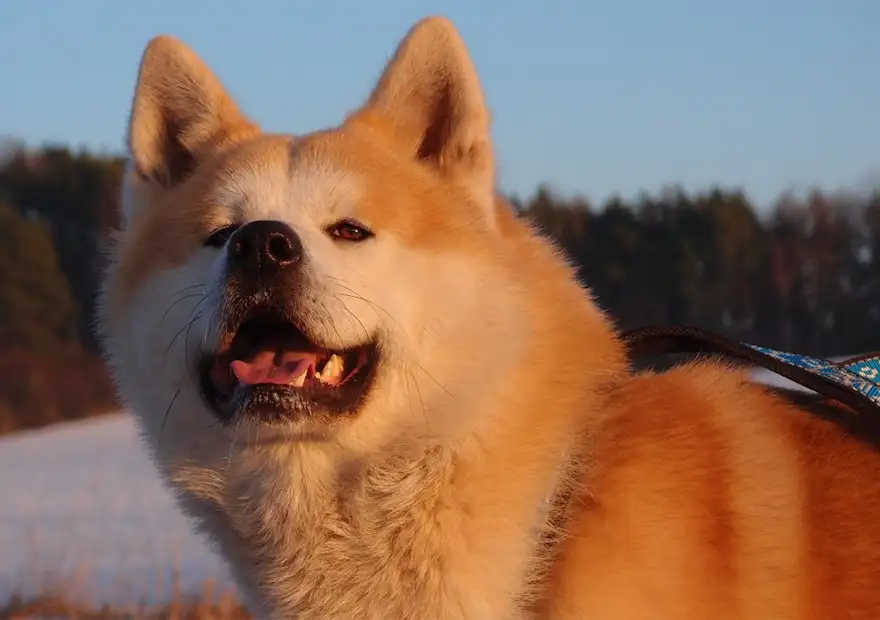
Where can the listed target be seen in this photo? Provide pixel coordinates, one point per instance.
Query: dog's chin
(268, 372)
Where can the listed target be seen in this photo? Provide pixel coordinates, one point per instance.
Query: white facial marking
(405, 298)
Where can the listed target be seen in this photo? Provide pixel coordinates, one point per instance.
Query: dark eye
(219, 237)
(349, 230)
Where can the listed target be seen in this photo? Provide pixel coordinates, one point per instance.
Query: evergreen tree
(37, 310)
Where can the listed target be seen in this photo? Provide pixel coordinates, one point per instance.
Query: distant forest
(801, 274)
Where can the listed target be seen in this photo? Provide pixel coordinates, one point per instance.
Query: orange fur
(714, 499)
(693, 493)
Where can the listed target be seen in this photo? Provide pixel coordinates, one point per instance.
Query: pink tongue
(269, 367)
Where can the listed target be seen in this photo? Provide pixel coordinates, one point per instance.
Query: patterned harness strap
(854, 382)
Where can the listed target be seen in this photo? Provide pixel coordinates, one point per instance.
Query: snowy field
(82, 507)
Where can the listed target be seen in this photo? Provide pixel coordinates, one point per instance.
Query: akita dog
(381, 394)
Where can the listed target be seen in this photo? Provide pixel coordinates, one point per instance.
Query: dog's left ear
(430, 98)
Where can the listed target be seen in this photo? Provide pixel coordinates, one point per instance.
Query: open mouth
(269, 369)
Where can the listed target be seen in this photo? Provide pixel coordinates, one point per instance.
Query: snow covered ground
(81, 505)
(82, 508)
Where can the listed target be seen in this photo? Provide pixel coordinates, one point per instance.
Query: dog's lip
(290, 403)
(231, 375)
(281, 368)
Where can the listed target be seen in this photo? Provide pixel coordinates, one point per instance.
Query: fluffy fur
(506, 462)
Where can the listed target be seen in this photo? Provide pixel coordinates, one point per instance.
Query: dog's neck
(396, 536)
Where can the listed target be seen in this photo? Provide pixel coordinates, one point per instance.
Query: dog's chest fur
(396, 539)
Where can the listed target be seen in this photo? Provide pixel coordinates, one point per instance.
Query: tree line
(801, 274)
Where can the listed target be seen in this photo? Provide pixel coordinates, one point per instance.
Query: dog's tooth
(333, 368)
(299, 381)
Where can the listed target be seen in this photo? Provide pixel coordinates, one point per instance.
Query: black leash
(854, 382)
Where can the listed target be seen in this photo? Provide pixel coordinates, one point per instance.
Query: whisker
(165, 417)
(184, 290)
(171, 307)
(235, 433)
(355, 295)
(203, 340)
(332, 323)
(354, 316)
(411, 375)
(187, 324)
(190, 367)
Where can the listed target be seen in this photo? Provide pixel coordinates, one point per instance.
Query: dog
(383, 394)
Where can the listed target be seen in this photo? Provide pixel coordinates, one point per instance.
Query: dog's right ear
(180, 113)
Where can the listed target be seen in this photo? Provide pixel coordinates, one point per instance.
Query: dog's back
(713, 499)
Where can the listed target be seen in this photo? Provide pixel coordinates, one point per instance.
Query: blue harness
(859, 374)
(854, 382)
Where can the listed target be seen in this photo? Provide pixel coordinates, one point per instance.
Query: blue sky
(592, 97)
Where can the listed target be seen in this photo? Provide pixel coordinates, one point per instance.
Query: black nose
(265, 244)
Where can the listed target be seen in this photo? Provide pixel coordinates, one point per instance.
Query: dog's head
(337, 286)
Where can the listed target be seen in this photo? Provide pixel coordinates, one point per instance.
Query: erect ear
(181, 112)
(430, 98)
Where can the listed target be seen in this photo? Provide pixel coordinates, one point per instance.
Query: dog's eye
(219, 237)
(349, 230)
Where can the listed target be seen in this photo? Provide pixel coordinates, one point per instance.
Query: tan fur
(694, 493)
